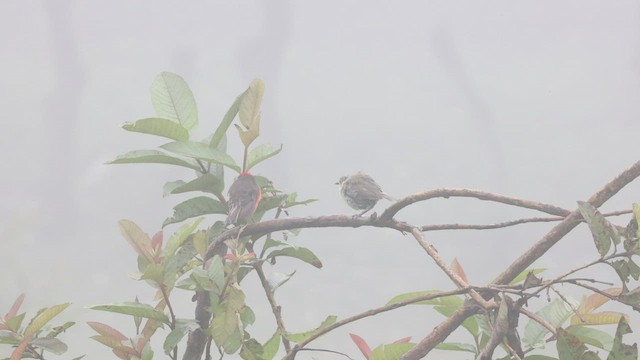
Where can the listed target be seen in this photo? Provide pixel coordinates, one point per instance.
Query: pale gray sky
(534, 99)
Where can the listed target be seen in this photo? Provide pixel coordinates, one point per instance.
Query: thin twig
(372, 312)
(275, 308)
(460, 282)
(504, 224)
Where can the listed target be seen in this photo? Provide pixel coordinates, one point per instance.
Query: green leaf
(457, 347)
(206, 183)
(299, 337)
(271, 347)
(539, 357)
(172, 99)
(198, 206)
(160, 127)
(390, 351)
(14, 323)
(50, 344)
(211, 279)
(226, 330)
(602, 231)
(523, 275)
(178, 238)
(292, 200)
(138, 239)
(251, 103)
(201, 151)
(299, 253)
(60, 329)
(183, 326)
(251, 350)
(261, 153)
(226, 122)
(556, 313)
(151, 157)
(621, 351)
(570, 347)
(591, 336)
(134, 309)
(43, 318)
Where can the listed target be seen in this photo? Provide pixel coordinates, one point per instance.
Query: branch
(265, 227)
(369, 313)
(537, 250)
(480, 195)
(461, 283)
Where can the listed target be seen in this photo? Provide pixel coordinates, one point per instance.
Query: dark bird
(244, 197)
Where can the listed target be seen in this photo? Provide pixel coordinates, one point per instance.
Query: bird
(361, 192)
(244, 197)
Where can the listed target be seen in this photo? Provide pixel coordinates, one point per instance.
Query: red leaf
(156, 240)
(403, 340)
(362, 345)
(15, 307)
(457, 268)
(107, 331)
(17, 353)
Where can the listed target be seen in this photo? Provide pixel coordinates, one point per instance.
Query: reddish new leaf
(15, 307)
(362, 345)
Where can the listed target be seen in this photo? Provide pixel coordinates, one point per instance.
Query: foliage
(204, 260)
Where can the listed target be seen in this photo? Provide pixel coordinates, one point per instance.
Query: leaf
(183, 326)
(251, 350)
(159, 127)
(107, 331)
(631, 298)
(201, 151)
(15, 307)
(601, 318)
(594, 301)
(226, 122)
(43, 318)
(362, 345)
(523, 275)
(178, 238)
(251, 103)
(14, 323)
(261, 153)
(621, 351)
(197, 206)
(206, 183)
(299, 337)
(134, 309)
(457, 268)
(390, 351)
(151, 157)
(270, 348)
(299, 253)
(172, 99)
(555, 313)
(457, 347)
(137, 238)
(602, 231)
(593, 337)
(278, 279)
(570, 347)
(50, 344)
(60, 329)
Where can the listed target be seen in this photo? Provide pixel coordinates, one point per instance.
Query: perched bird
(244, 197)
(361, 192)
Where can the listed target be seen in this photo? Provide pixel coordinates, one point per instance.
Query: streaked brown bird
(244, 197)
(361, 192)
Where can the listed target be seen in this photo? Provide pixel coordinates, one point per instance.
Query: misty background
(537, 100)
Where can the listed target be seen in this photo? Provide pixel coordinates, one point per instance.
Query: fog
(535, 99)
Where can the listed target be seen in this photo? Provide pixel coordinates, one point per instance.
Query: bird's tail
(388, 197)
